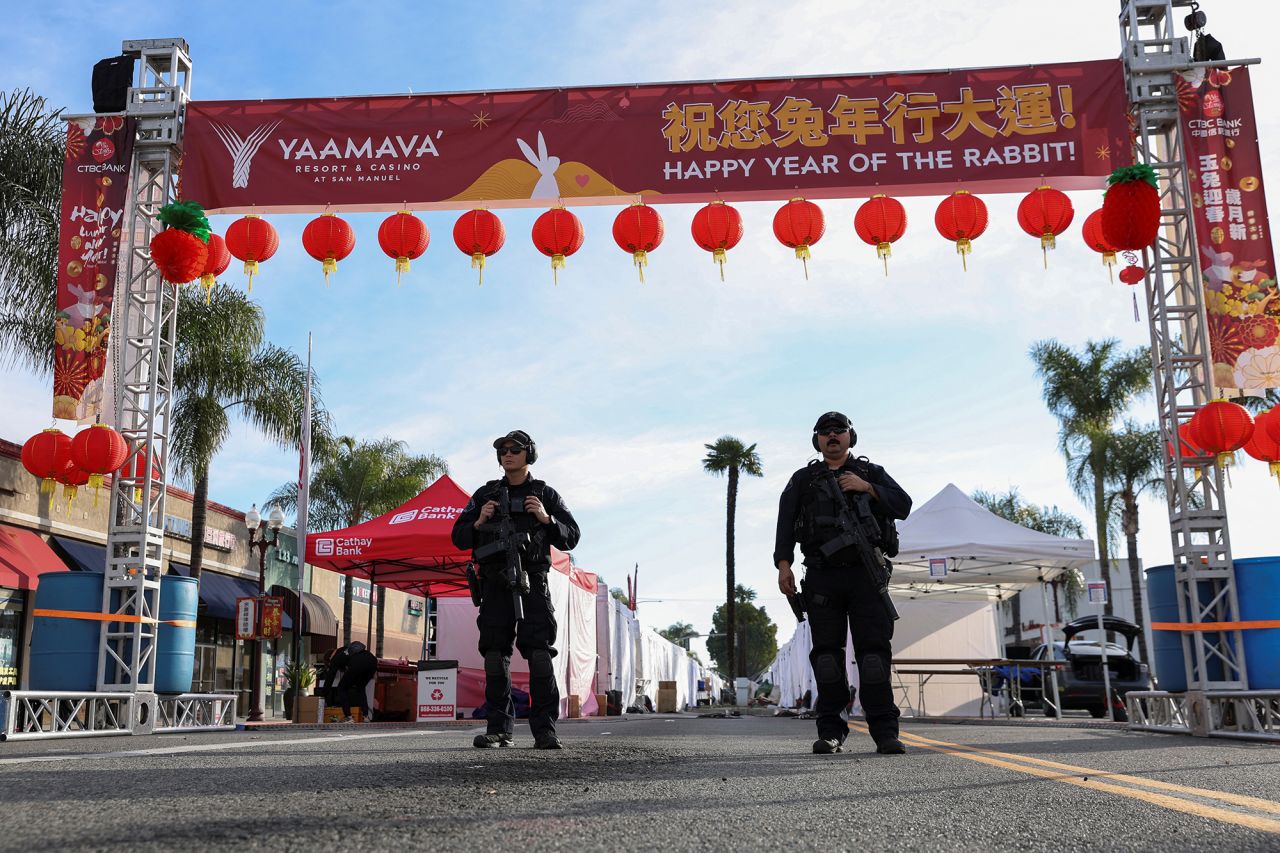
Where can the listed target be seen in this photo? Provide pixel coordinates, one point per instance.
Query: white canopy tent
(985, 557)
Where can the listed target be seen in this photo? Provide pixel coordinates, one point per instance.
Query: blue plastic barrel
(1166, 646)
(1258, 589)
(64, 649)
(176, 643)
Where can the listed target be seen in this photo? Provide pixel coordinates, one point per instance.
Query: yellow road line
(1262, 824)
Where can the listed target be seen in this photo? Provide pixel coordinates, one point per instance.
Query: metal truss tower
(1183, 370)
(144, 337)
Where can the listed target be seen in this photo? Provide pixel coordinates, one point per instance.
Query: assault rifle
(852, 533)
(509, 542)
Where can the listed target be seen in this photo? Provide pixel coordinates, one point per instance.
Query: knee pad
(874, 669)
(495, 663)
(540, 664)
(826, 669)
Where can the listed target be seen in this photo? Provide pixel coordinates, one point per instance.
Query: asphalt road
(643, 783)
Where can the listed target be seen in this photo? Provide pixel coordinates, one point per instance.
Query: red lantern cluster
(1045, 213)
(403, 237)
(881, 221)
(45, 455)
(253, 240)
(799, 224)
(56, 458)
(557, 234)
(1221, 428)
(328, 238)
(717, 228)
(638, 229)
(480, 234)
(961, 218)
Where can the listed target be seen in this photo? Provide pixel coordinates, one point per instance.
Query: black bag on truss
(112, 78)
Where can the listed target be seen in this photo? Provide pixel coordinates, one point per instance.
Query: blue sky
(621, 383)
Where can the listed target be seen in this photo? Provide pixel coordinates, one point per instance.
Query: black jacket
(892, 502)
(561, 533)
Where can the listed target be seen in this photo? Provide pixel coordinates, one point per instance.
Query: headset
(521, 438)
(833, 416)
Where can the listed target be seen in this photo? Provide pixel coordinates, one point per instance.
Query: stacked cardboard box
(667, 697)
(310, 709)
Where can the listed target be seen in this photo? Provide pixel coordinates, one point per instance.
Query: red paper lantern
(218, 261)
(479, 233)
(1261, 445)
(329, 239)
(45, 455)
(1094, 239)
(1273, 423)
(799, 224)
(638, 229)
(1187, 442)
(1045, 213)
(71, 479)
(557, 234)
(1131, 209)
(138, 469)
(1132, 274)
(97, 451)
(403, 237)
(717, 228)
(881, 221)
(1222, 427)
(179, 256)
(253, 240)
(961, 218)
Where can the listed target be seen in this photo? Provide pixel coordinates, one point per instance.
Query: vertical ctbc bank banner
(95, 184)
(919, 133)
(1220, 136)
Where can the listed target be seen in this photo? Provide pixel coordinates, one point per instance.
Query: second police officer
(839, 592)
(534, 515)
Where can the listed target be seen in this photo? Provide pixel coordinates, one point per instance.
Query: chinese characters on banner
(272, 617)
(922, 133)
(246, 618)
(1221, 140)
(95, 183)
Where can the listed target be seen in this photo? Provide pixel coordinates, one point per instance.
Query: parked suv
(1080, 683)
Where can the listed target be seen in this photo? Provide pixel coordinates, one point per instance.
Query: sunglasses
(510, 450)
(832, 431)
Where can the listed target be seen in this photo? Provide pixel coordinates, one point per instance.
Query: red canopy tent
(409, 548)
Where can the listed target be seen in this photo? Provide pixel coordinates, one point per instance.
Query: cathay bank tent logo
(242, 151)
(324, 547)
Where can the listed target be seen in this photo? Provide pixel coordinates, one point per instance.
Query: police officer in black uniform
(535, 509)
(839, 593)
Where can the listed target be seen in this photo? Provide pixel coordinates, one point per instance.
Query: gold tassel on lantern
(803, 255)
(963, 248)
(48, 486)
(402, 267)
(1109, 259)
(329, 265)
(884, 251)
(477, 263)
(207, 281)
(557, 263)
(250, 269)
(719, 256)
(69, 493)
(1047, 242)
(640, 258)
(95, 483)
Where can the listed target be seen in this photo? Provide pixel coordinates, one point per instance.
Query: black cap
(519, 436)
(832, 418)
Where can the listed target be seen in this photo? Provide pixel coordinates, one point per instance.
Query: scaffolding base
(36, 715)
(1238, 714)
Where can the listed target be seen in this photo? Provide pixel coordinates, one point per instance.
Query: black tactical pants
(534, 637)
(836, 599)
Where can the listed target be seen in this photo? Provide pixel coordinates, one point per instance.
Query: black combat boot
(492, 741)
(548, 742)
(827, 746)
(890, 745)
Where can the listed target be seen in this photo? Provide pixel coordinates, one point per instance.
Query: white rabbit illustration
(1218, 272)
(85, 308)
(546, 186)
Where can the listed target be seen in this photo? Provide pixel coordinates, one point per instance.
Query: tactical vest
(537, 554)
(818, 519)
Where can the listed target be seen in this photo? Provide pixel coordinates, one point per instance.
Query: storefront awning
(82, 556)
(218, 594)
(318, 619)
(24, 556)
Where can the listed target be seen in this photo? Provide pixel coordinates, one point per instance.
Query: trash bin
(742, 690)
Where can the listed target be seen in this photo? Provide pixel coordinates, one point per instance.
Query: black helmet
(520, 437)
(834, 419)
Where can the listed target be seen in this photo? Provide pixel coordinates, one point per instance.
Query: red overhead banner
(919, 133)
(95, 186)
(1220, 135)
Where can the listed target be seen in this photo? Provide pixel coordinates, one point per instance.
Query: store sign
(180, 528)
(1097, 592)
(272, 617)
(246, 618)
(437, 694)
(413, 607)
(363, 592)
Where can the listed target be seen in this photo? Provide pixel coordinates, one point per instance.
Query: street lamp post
(262, 544)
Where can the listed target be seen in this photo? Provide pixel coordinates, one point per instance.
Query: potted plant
(300, 677)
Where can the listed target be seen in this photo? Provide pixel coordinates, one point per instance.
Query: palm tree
(1088, 392)
(32, 139)
(728, 454)
(1136, 463)
(222, 367)
(361, 480)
